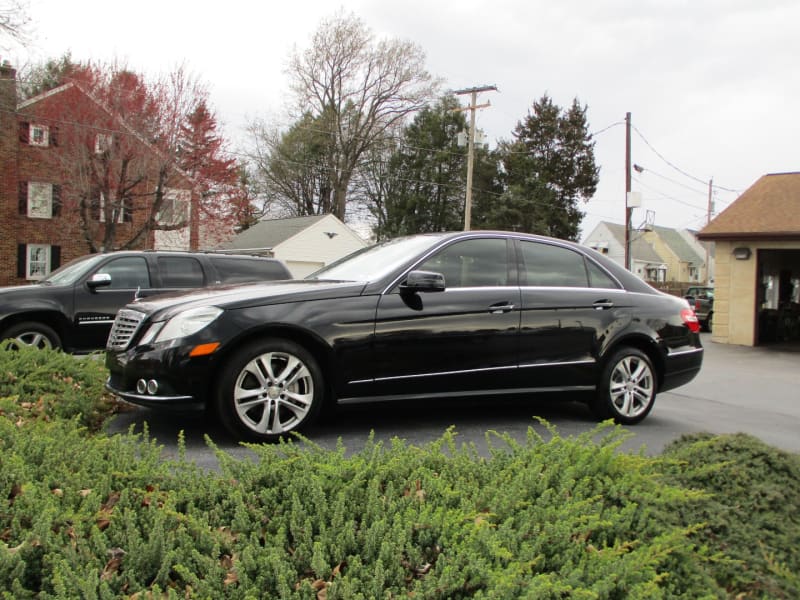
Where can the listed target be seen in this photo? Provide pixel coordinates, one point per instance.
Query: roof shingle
(770, 208)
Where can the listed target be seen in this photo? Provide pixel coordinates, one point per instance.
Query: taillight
(690, 320)
(697, 304)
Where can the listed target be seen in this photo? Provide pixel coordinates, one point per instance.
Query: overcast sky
(712, 85)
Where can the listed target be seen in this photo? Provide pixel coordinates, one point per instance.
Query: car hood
(239, 296)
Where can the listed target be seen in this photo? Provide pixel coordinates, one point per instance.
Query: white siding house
(304, 243)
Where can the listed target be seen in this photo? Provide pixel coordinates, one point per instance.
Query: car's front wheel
(29, 333)
(269, 389)
(627, 388)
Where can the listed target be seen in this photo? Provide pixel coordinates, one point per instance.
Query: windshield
(73, 270)
(375, 262)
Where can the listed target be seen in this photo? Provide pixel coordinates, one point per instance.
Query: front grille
(125, 326)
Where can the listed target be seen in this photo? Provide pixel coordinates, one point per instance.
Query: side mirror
(423, 281)
(99, 280)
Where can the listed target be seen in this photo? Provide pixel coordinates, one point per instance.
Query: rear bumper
(681, 366)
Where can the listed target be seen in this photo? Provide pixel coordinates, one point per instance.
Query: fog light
(141, 386)
(152, 387)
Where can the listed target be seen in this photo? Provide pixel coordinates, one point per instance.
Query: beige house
(757, 279)
(304, 243)
(684, 263)
(658, 255)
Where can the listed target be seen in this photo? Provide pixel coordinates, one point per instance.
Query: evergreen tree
(546, 169)
(424, 179)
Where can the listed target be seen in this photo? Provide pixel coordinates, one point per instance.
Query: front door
(96, 309)
(458, 340)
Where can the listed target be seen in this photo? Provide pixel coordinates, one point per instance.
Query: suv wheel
(269, 389)
(37, 335)
(627, 387)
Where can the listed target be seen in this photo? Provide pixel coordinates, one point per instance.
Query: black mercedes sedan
(429, 316)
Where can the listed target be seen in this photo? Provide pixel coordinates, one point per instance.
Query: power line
(678, 169)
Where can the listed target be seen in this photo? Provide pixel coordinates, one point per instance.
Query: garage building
(757, 279)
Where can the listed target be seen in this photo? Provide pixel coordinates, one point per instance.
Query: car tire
(269, 389)
(626, 391)
(30, 333)
(709, 322)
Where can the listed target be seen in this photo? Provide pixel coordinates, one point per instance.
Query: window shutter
(94, 204)
(53, 136)
(22, 253)
(56, 200)
(24, 131)
(55, 257)
(23, 197)
(127, 210)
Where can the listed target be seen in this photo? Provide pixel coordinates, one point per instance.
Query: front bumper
(182, 383)
(177, 403)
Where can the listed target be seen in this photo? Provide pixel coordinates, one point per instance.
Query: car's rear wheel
(627, 388)
(29, 333)
(269, 389)
(708, 323)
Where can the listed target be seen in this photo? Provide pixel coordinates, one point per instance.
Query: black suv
(75, 306)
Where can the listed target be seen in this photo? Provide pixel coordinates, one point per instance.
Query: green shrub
(752, 512)
(99, 517)
(47, 384)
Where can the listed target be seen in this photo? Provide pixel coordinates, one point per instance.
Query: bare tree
(14, 21)
(356, 88)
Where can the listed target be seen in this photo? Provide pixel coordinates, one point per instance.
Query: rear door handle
(501, 307)
(603, 304)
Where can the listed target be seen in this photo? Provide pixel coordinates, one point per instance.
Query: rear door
(570, 306)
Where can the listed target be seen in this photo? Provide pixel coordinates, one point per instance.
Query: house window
(40, 200)
(36, 261)
(102, 143)
(174, 208)
(39, 135)
(120, 209)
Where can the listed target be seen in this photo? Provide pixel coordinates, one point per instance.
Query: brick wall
(21, 161)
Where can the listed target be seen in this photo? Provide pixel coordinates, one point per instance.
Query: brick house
(44, 220)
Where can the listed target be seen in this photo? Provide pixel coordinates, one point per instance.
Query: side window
(233, 270)
(129, 272)
(599, 278)
(545, 265)
(180, 272)
(471, 263)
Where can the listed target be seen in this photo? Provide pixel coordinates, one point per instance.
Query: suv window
(180, 272)
(242, 270)
(128, 272)
(545, 265)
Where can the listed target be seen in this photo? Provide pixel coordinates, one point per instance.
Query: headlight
(185, 324)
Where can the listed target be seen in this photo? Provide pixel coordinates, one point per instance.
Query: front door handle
(500, 308)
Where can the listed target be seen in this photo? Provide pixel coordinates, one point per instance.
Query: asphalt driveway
(739, 389)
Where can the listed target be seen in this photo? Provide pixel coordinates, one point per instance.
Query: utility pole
(473, 91)
(628, 210)
(708, 220)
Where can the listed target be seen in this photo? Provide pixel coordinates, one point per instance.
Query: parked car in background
(74, 307)
(701, 299)
(427, 316)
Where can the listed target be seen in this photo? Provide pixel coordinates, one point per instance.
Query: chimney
(8, 87)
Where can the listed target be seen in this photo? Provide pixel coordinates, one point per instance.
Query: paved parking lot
(752, 390)
(755, 390)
